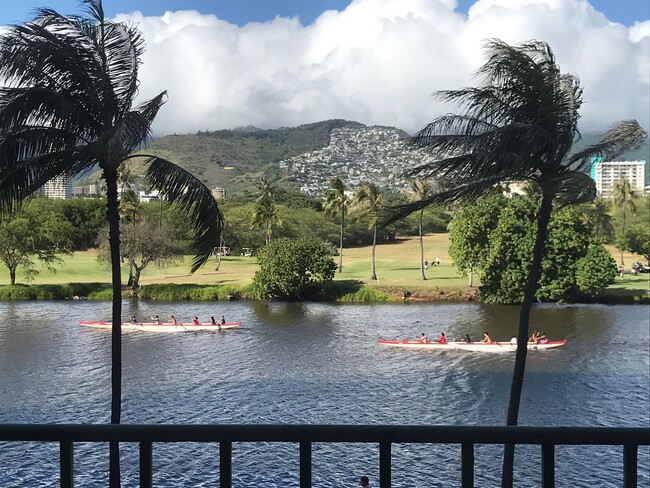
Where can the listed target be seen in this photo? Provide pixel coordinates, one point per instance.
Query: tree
(288, 267)
(33, 233)
(143, 245)
(469, 233)
(264, 211)
(595, 271)
(600, 220)
(336, 202)
(367, 202)
(67, 106)
(623, 196)
(421, 190)
(637, 240)
(519, 124)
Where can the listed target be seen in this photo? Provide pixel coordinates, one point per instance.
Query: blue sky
(242, 11)
(273, 63)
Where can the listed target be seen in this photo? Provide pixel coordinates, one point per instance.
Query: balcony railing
(305, 435)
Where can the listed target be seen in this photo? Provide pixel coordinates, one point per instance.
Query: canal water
(315, 363)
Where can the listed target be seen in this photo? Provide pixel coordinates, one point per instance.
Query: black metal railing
(305, 435)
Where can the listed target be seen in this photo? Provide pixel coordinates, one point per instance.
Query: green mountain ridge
(235, 159)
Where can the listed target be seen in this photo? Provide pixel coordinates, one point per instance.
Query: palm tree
(264, 210)
(367, 201)
(421, 190)
(336, 202)
(67, 106)
(597, 213)
(623, 196)
(519, 124)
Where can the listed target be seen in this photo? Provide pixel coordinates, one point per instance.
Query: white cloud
(377, 62)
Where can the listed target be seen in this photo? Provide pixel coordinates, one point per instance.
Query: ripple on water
(320, 363)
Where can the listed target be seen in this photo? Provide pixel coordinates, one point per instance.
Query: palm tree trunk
(341, 240)
(543, 219)
(623, 234)
(112, 212)
(422, 276)
(373, 274)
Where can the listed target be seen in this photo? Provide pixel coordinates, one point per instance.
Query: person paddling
(486, 337)
(442, 339)
(423, 339)
(172, 319)
(195, 320)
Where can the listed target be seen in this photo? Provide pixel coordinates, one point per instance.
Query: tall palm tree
(367, 201)
(336, 202)
(67, 106)
(623, 196)
(421, 190)
(519, 124)
(597, 213)
(264, 210)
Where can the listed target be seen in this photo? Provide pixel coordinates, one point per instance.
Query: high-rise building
(59, 187)
(606, 173)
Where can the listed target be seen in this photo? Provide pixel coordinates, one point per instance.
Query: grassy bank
(397, 266)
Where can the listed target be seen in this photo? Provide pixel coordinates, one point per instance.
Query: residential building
(59, 187)
(606, 173)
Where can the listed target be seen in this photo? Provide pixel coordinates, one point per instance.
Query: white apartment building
(606, 173)
(59, 187)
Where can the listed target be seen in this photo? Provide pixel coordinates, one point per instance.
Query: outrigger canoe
(416, 344)
(505, 346)
(470, 346)
(163, 327)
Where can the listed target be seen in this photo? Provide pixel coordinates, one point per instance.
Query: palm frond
(624, 136)
(195, 201)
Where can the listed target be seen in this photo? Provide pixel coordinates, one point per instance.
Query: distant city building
(59, 187)
(606, 173)
(148, 196)
(219, 193)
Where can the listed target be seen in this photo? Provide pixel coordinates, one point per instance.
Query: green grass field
(397, 267)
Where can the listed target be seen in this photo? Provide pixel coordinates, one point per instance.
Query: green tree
(336, 202)
(87, 217)
(421, 189)
(367, 202)
(623, 196)
(66, 106)
(265, 212)
(289, 267)
(33, 234)
(595, 271)
(519, 124)
(599, 219)
(637, 240)
(469, 233)
(143, 245)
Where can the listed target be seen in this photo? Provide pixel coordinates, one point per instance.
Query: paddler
(442, 339)
(423, 338)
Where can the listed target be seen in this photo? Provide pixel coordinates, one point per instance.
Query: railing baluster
(385, 464)
(467, 465)
(146, 464)
(548, 466)
(66, 463)
(225, 464)
(630, 465)
(305, 464)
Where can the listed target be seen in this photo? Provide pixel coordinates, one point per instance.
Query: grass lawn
(397, 266)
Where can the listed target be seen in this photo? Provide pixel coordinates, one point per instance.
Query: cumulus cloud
(377, 62)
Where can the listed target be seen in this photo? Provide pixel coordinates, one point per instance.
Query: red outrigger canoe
(163, 327)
